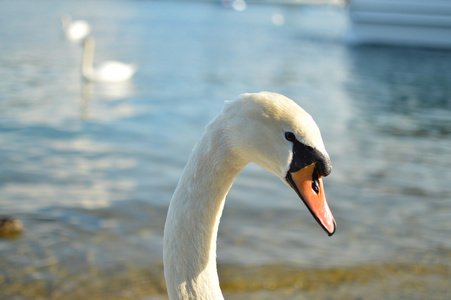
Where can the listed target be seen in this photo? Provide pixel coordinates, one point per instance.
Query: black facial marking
(304, 155)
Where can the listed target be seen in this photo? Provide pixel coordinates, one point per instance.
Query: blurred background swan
(108, 71)
(75, 30)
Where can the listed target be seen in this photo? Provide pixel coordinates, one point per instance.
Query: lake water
(89, 169)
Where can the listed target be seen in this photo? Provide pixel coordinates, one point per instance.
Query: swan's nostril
(315, 186)
(315, 181)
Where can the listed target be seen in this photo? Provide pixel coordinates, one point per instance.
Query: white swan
(75, 30)
(108, 71)
(266, 128)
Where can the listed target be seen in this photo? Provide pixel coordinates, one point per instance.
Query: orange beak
(309, 185)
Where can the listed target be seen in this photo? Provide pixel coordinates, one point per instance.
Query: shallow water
(90, 168)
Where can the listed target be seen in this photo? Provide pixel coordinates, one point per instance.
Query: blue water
(89, 168)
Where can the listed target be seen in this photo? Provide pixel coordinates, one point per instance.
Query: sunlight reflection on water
(90, 168)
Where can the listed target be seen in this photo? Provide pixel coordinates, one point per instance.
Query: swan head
(274, 132)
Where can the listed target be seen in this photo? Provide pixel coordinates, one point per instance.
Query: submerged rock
(10, 227)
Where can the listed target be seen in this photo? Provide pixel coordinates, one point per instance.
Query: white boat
(425, 23)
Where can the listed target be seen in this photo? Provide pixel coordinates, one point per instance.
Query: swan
(266, 128)
(108, 71)
(75, 30)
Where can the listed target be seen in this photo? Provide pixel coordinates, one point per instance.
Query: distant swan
(266, 128)
(109, 71)
(75, 30)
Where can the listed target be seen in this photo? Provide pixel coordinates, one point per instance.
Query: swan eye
(290, 136)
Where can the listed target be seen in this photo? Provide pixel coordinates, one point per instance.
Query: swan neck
(88, 58)
(193, 218)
